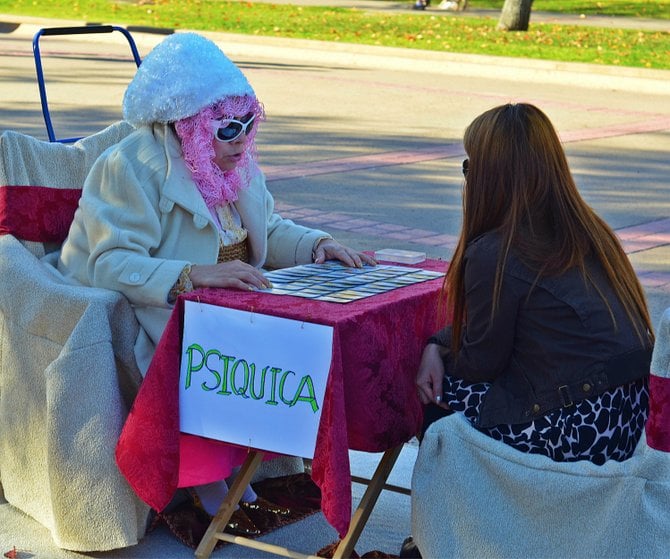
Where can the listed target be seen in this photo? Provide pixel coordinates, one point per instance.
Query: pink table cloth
(371, 402)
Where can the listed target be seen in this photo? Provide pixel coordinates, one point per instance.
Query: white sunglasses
(228, 130)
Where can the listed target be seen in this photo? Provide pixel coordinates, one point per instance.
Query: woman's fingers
(234, 274)
(329, 249)
(430, 375)
(367, 259)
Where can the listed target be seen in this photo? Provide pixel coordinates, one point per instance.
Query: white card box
(400, 256)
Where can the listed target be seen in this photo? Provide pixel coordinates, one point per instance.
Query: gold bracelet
(182, 285)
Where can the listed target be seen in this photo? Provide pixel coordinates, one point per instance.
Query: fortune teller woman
(181, 203)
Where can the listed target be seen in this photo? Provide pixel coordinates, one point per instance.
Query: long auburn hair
(519, 183)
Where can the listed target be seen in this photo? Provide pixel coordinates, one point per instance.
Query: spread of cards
(337, 283)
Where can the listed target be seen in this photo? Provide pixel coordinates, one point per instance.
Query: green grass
(476, 35)
(656, 9)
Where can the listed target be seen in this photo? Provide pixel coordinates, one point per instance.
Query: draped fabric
(37, 213)
(658, 424)
(477, 497)
(371, 403)
(67, 365)
(40, 182)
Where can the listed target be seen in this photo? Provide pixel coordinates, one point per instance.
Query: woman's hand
(234, 274)
(330, 249)
(430, 376)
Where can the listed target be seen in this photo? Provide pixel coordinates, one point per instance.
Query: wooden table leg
(362, 513)
(235, 492)
(344, 549)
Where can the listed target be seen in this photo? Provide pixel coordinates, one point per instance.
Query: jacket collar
(179, 185)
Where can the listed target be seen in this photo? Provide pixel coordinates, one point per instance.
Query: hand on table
(234, 274)
(430, 376)
(330, 249)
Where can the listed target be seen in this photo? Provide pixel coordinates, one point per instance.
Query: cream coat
(141, 220)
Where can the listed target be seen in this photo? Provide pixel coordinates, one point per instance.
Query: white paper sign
(252, 379)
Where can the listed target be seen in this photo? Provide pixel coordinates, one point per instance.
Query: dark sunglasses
(466, 165)
(233, 128)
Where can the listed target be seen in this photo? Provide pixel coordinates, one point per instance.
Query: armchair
(67, 368)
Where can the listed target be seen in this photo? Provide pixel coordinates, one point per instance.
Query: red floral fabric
(37, 213)
(658, 425)
(371, 403)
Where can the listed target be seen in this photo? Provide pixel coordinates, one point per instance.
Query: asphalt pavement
(365, 142)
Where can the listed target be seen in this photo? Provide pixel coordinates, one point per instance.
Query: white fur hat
(183, 74)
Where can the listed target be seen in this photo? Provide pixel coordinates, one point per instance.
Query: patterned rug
(188, 523)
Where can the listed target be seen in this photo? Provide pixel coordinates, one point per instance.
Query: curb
(638, 80)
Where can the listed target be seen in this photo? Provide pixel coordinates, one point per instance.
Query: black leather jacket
(551, 342)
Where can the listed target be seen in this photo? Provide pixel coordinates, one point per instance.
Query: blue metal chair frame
(70, 31)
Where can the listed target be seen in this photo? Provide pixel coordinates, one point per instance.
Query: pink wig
(196, 134)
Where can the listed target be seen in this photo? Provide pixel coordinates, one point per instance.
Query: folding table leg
(243, 478)
(362, 513)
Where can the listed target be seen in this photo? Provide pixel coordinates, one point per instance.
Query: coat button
(200, 222)
(134, 277)
(586, 387)
(536, 408)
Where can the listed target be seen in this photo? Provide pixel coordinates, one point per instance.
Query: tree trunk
(515, 15)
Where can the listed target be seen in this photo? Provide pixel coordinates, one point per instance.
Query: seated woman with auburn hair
(550, 343)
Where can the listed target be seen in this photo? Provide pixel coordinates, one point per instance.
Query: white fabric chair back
(476, 497)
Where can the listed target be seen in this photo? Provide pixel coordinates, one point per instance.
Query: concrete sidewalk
(388, 525)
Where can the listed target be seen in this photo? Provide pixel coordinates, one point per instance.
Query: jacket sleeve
(488, 341)
(120, 221)
(442, 337)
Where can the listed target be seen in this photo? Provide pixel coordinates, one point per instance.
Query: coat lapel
(251, 207)
(179, 186)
